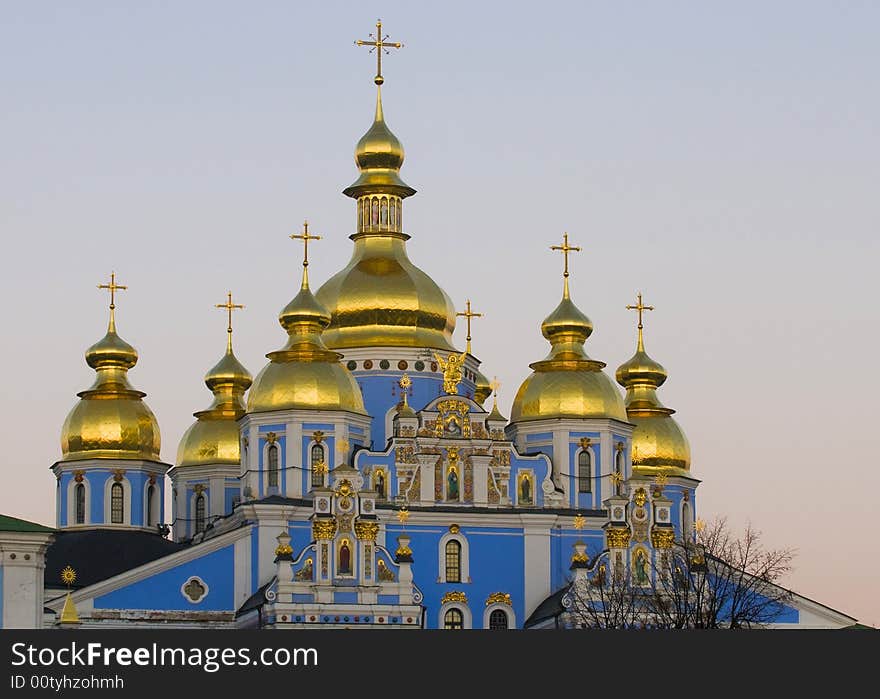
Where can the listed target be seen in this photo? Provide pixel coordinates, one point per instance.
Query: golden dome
(658, 443)
(379, 156)
(111, 421)
(305, 375)
(381, 299)
(567, 383)
(214, 437)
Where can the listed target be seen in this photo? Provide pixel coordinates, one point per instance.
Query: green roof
(13, 524)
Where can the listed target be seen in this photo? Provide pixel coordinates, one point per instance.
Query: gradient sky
(721, 157)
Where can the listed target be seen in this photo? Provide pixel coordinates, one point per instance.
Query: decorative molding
(454, 596)
(499, 598)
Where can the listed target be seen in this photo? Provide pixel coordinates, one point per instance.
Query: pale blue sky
(722, 157)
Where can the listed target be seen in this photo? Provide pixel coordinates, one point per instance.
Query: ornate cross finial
(379, 45)
(404, 383)
(229, 307)
(468, 313)
(495, 384)
(640, 307)
(565, 249)
(112, 287)
(305, 236)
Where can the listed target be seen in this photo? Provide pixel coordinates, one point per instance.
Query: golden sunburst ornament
(403, 516)
(700, 525)
(616, 478)
(342, 445)
(580, 521)
(68, 576)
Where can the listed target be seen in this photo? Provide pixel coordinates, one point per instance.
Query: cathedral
(365, 476)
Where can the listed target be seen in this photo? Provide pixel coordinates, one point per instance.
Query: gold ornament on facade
(580, 522)
(699, 525)
(324, 528)
(454, 596)
(640, 497)
(585, 442)
(618, 538)
(68, 576)
(616, 478)
(78, 476)
(118, 475)
(499, 598)
(366, 531)
(580, 557)
(454, 529)
(271, 437)
(318, 436)
(403, 551)
(283, 550)
(452, 371)
(662, 538)
(403, 515)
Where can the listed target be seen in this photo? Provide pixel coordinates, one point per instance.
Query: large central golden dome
(381, 299)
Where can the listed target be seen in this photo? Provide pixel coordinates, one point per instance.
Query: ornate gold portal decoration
(78, 476)
(499, 598)
(271, 437)
(384, 574)
(454, 596)
(306, 572)
(118, 474)
(662, 538)
(366, 531)
(452, 371)
(640, 497)
(318, 436)
(585, 442)
(580, 521)
(323, 528)
(617, 538)
(454, 529)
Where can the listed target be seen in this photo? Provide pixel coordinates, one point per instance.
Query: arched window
(317, 462)
(117, 497)
(151, 491)
(498, 619)
(585, 470)
(272, 453)
(453, 619)
(79, 496)
(453, 561)
(200, 513)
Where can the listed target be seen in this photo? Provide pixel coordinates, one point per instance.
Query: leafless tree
(723, 579)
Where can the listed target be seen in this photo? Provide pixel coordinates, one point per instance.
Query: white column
(217, 487)
(561, 465)
(481, 476)
(293, 460)
(536, 532)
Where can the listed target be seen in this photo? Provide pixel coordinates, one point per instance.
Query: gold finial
(580, 521)
(68, 576)
(404, 383)
(640, 307)
(112, 287)
(229, 307)
(565, 249)
(403, 515)
(661, 480)
(305, 236)
(379, 45)
(468, 313)
(494, 385)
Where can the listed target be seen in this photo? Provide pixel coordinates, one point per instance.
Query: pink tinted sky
(723, 158)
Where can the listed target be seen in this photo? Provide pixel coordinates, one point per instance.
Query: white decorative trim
(506, 608)
(577, 472)
(464, 562)
(467, 619)
(194, 578)
(157, 505)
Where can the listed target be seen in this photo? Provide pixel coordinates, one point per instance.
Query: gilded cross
(640, 307)
(495, 384)
(565, 249)
(229, 306)
(305, 236)
(379, 45)
(112, 287)
(468, 313)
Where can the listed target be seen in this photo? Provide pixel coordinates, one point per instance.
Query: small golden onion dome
(658, 443)
(567, 383)
(305, 375)
(496, 415)
(482, 387)
(214, 438)
(379, 156)
(111, 421)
